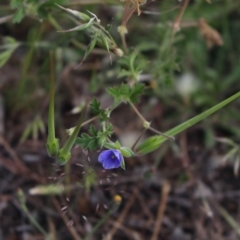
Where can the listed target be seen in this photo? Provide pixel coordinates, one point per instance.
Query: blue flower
(110, 159)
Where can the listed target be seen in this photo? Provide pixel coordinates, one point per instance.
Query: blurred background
(187, 189)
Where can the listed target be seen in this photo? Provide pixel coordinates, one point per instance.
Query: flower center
(113, 157)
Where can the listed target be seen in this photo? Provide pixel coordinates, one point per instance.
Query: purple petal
(110, 159)
(106, 154)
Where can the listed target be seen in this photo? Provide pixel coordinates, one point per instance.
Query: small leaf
(79, 28)
(5, 56)
(89, 50)
(77, 14)
(118, 145)
(110, 145)
(19, 15)
(126, 152)
(123, 164)
(95, 108)
(15, 3)
(155, 142)
(106, 45)
(120, 93)
(136, 91)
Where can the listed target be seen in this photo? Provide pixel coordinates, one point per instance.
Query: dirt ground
(182, 191)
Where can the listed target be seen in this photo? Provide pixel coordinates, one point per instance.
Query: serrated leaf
(109, 129)
(120, 93)
(86, 141)
(95, 106)
(137, 90)
(93, 130)
(93, 145)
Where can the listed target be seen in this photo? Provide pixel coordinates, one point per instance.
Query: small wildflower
(110, 159)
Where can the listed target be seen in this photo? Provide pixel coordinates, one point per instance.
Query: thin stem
(161, 209)
(64, 153)
(179, 17)
(161, 133)
(125, 12)
(138, 139)
(51, 124)
(137, 112)
(145, 121)
(22, 202)
(89, 120)
(124, 43)
(131, 11)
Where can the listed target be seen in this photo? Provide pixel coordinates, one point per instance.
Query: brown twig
(176, 25)
(16, 166)
(161, 209)
(71, 229)
(123, 214)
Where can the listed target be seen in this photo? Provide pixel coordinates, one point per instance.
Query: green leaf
(96, 140)
(155, 142)
(77, 14)
(5, 56)
(19, 15)
(86, 141)
(90, 178)
(80, 27)
(136, 91)
(108, 130)
(125, 93)
(89, 49)
(95, 108)
(123, 164)
(15, 3)
(11, 46)
(64, 153)
(110, 145)
(105, 43)
(93, 130)
(126, 152)
(120, 93)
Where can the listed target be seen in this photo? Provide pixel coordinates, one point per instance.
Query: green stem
(155, 142)
(51, 123)
(138, 113)
(161, 133)
(23, 205)
(146, 124)
(52, 141)
(65, 152)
